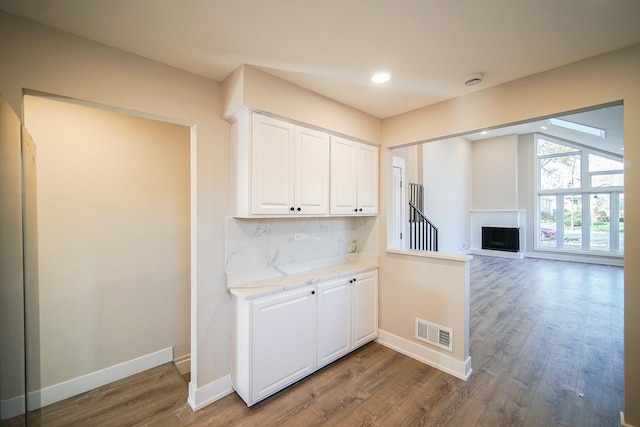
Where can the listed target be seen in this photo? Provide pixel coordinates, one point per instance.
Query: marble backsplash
(268, 245)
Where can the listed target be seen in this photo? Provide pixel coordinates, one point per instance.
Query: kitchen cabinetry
(283, 337)
(288, 171)
(354, 177)
(347, 315)
(274, 342)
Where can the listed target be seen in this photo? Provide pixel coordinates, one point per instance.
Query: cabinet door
(367, 179)
(272, 159)
(343, 176)
(311, 172)
(334, 320)
(364, 291)
(284, 340)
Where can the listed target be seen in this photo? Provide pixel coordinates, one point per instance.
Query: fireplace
(501, 238)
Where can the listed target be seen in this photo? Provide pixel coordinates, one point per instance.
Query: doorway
(113, 246)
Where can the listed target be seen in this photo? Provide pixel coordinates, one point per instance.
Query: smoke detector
(473, 79)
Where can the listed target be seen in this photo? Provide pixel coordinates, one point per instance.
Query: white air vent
(434, 334)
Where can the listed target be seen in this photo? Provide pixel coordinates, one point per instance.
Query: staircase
(423, 234)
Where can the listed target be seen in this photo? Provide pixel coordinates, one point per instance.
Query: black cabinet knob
(354, 279)
(291, 208)
(360, 209)
(355, 210)
(299, 209)
(313, 292)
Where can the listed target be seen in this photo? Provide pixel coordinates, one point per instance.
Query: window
(580, 198)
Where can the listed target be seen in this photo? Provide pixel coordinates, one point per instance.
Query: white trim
(587, 259)
(75, 386)
(622, 421)
(497, 254)
(13, 407)
(183, 364)
(215, 390)
(448, 364)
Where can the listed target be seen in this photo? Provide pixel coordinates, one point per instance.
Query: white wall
(495, 173)
(113, 237)
(447, 166)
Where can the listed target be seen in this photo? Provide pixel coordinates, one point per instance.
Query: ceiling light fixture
(381, 78)
(473, 79)
(578, 127)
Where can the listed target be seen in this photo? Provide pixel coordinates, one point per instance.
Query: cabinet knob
(355, 210)
(360, 209)
(291, 208)
(299, 209)
(351, 281)
(313, 292)
(354, 279)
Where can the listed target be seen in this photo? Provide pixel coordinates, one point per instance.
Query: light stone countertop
(273, 285)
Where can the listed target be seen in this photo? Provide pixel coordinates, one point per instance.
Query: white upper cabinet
(273, 166)
(280, 168)
(312, 171)
(283, 169)
(354, 178)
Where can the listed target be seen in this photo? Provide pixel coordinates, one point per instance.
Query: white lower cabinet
(281, 338)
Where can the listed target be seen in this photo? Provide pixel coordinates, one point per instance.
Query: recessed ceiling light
(381, 78)
(543, 127)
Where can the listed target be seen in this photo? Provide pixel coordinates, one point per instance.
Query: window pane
(560, 172)
(548, 147)
(621, 220)
(600, 164)
(547, 206)
(607, 180)
(599, 232)
(572, 222)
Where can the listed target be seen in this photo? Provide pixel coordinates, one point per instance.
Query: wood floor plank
(546, 346)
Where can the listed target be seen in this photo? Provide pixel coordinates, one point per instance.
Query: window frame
(585, 190)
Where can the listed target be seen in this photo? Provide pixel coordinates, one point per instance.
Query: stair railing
(423, 234)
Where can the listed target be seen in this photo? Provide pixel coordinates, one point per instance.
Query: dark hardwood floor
(546, 348)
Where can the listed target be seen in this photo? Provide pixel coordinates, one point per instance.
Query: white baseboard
(617, 261)
(622, 421)
(13, 407)
(497, 254)
(75, 386)
(440, 361)
(216, 390)
(183, 364)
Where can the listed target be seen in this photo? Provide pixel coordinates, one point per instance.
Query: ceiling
(332, 47)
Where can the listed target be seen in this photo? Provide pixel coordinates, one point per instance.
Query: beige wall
(603, 79)
(113, 237)
(495, 173)
(249, 87)
(39, 58)
(12, 383)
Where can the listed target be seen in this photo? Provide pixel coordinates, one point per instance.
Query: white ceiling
(333, 46)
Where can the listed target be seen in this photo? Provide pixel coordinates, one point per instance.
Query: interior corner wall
(265, 92)
(113, 237)
(39, 58)
(495, 173)
(447, 190)
(527, 185)
(12, 381)
(600, 80)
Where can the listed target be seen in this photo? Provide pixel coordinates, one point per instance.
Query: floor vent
(434, 334)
